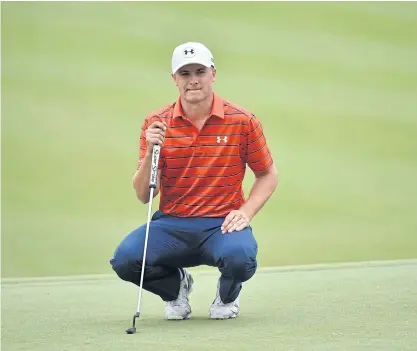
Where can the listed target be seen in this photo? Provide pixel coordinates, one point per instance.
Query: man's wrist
(148, 154)
(247, 211)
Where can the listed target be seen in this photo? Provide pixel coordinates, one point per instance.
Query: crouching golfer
(203, 216)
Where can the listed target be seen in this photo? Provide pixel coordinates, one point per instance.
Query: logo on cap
(189, 52)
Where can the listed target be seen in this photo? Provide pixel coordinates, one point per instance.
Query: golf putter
(152, 185)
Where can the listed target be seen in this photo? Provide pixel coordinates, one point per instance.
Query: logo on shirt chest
(222, 140)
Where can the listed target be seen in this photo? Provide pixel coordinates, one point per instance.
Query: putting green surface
(366, 306)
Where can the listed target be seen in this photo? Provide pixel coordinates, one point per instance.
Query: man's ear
(214, 74)
(173, 78)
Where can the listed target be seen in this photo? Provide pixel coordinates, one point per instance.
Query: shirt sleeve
(259, 157)
(143, 146)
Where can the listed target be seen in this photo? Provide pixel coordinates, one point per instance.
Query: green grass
(334, 84)
(368, 307)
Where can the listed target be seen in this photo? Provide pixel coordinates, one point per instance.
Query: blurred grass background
(334, 84)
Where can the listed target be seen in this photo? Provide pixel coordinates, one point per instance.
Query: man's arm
(262, 189)
(152, 135)
(141, 180)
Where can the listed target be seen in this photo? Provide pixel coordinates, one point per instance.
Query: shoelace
(174, 303)
(218, 301)
(181, 300)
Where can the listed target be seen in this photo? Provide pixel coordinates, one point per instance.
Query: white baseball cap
(191, 52)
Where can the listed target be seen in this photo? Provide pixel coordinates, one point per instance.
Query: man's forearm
(261, 191)
(141, 179)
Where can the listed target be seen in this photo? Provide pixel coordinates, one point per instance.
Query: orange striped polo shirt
(202, 171)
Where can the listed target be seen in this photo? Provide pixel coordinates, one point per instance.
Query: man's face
(195, 82)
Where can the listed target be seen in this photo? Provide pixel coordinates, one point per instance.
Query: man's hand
(235, 221)
(155, 134)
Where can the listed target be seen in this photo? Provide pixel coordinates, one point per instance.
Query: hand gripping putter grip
(152, 185)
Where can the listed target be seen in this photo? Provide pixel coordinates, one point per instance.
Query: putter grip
(154, 167)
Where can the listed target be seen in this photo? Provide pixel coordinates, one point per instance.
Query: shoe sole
(233, 316)
(223, 318)
(179, 318)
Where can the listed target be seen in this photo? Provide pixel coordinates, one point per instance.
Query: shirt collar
(217, 109)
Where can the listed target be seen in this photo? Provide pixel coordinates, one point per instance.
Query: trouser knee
(240, 266)
(128, 270)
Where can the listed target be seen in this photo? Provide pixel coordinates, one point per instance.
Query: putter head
(131, 330)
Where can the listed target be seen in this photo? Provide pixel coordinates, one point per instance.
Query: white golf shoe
(180, 308)
(220, 310)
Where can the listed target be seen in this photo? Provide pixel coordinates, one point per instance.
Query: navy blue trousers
(176, 242)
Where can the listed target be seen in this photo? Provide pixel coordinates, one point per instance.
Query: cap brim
(190, 62)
